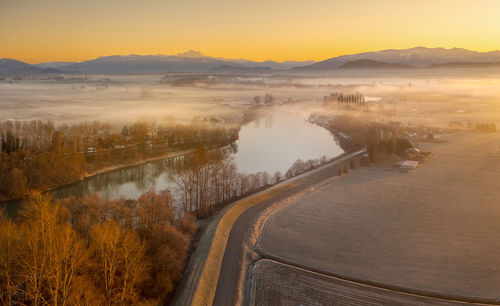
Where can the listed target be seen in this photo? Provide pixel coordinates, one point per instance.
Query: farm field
(432, 230)
(281, 284)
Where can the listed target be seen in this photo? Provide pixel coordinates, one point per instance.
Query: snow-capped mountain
(418, 57)
(190, 61)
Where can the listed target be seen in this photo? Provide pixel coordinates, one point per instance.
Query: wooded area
(36, 155)
(92, 251)
(348, 98)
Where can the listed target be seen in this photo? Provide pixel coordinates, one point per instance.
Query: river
(271, 143)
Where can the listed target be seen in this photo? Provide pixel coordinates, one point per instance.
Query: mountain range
(371, 64)
(190, 61)
(8, 65)
(418, 57)
(194, 61)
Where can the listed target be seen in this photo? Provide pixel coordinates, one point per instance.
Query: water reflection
(128, 182)
(277, 139)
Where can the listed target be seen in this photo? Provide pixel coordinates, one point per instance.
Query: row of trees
(37, 155)
(92, 251)
(348, 98)
(486, 127)
(209, 179)
(93, 137)
(380, 139)
(481, 126)
(300, 166)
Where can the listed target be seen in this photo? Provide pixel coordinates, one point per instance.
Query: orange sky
(76, 30)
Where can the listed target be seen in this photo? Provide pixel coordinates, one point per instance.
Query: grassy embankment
(207, 284)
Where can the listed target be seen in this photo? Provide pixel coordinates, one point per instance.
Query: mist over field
(204, 140)
(115, 100)
(122, 99)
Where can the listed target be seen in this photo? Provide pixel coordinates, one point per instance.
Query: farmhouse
(408, 164)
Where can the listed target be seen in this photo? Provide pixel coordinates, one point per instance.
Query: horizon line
(180, 54)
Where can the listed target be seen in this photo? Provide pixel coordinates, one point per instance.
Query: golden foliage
(92, 251)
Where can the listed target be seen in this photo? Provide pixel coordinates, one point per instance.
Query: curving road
(228, 279)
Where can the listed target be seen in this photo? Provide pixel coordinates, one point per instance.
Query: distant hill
(467, 65)
(11, 66)
(194, 61)
(190, 61)
(418, 57)
(7, 65)
(54, 65)
(237, 68)
(371, 64)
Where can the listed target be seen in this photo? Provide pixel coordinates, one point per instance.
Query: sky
(75, 30)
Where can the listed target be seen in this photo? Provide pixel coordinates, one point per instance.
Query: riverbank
(140, 162)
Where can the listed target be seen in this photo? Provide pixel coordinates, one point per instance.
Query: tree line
(92, 251)
(380, 139)
(37, 155)
(208, 179)
(480, 126)
(348, 98)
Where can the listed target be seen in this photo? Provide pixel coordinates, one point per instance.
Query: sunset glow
(37, 31)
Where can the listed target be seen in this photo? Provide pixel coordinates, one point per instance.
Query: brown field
(280, 284)
(435, 229)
